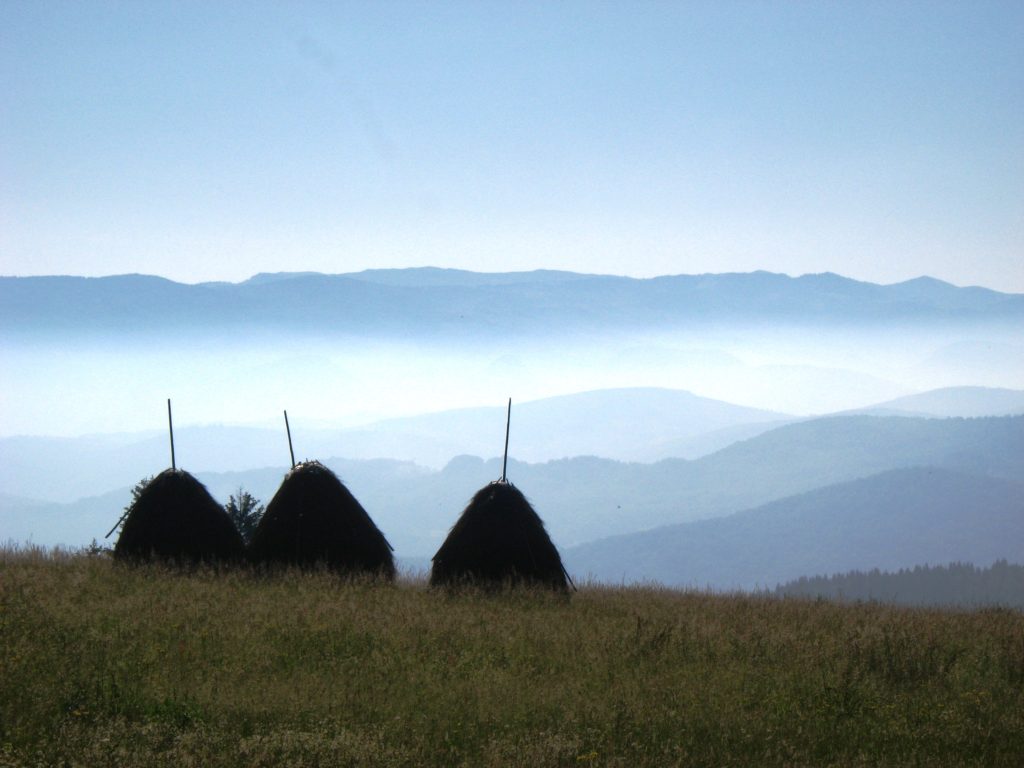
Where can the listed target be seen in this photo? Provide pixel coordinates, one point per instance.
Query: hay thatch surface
(314, 520)
(175, 519)
(499, 540)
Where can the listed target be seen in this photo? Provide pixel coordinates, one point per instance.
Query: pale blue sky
(213, 140)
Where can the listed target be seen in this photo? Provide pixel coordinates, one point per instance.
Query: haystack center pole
(288, 429)
(508, 423)
(170, 427)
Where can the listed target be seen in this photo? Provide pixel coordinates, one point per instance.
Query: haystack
(175, 519)
(314, 520)
(499, 540)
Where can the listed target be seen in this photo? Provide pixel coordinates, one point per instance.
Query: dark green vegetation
(105, 665)
(959, 584)
(245, 511)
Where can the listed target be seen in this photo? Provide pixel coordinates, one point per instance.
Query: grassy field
(105, 665)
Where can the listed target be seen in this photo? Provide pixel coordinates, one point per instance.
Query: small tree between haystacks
(245, 512)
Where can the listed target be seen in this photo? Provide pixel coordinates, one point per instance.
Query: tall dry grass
(107, 665)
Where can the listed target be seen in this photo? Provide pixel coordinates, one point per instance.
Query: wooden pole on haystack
(288, 429)
(170, 427)
(508, 423)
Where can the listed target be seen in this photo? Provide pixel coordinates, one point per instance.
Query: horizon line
(286, 274)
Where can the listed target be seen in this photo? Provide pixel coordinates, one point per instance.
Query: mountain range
(460, 304)
(627, 425)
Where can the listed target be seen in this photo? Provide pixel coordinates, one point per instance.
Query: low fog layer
(119, 383)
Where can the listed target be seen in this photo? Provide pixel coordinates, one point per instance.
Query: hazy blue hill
(271, 277)
(963, 402)
(431, 277)
(828, 295)
(888, 521)
(63, 469)
(647, 424)
(121, 303)
(584, 496)
(773, 294)
(932, 292)
(695, 447)
(436, 276)
(467, 304)
(818, 452)
(24, 520)
(622, 424)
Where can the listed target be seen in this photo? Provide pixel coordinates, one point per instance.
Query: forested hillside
(956, 584)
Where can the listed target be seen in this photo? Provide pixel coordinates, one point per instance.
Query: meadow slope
(105, 665)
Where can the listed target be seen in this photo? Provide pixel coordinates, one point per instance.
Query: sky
(211, 141)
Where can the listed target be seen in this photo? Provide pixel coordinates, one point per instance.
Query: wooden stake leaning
(288, 429)
(119, 521)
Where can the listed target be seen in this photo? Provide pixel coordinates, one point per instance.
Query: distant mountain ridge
(437, 276)
(622, 424)
(625, 424)
(469, 304)
(955, 402)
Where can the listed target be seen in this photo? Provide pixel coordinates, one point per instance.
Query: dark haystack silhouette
(314, 520)
(175, 519)
(499, 540)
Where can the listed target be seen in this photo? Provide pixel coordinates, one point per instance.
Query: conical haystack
(499, 540)
(313, 520)
(174, 518)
